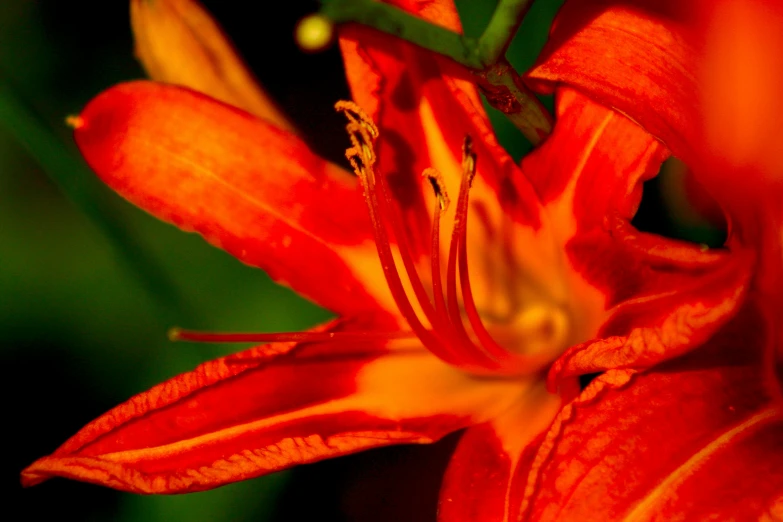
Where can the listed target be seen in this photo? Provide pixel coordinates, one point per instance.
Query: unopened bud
(314, 33)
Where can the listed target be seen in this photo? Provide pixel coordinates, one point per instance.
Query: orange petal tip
(75, 122)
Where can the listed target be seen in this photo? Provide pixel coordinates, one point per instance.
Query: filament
(178, 334)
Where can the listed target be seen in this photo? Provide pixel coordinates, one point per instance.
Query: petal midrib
(196, 168)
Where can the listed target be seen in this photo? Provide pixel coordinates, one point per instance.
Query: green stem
(506, 91)
(502, 27)
(396, 22)
(484, 57)
(75, 181)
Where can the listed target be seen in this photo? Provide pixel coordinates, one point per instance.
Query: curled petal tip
(31, 476)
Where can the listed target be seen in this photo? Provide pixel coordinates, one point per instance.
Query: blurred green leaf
(81, 187)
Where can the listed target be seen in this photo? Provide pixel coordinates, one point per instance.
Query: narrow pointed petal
(482, 483)
(178, 42)
(647, 297)
(595, 165)
(246, 186)
(696, 439)
(270, 408)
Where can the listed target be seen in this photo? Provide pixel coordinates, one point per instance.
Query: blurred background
(89, 284)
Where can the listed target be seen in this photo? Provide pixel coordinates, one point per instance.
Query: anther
(175, 334)
(356, 114)
(468, 160)
(438, 187)
(362, 132)
(75, 122)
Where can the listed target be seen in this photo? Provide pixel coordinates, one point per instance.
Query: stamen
(468, 160)
(457, 337)
(178, 334)
(386, 205)
(449, 340)
(362, 132)
(469, 173)
(460, 218)
(487, 344)
(486, 341)
(458, 236)
(439, 187)
(75, 122)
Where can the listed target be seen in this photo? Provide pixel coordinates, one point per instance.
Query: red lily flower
(699, 437)
(432, 336)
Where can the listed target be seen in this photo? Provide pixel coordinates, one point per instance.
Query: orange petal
(593, 165)
(743, 78)
(697, 439)
(178, 42)
(704, 77)
(637, 56)
(641, 298)
(248, 187)
(743, 164)
(482, 483)
(661, 306)
(270, 408)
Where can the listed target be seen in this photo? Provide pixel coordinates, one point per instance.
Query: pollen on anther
(362, 133)
(356, 114)
(438, 187)
(75, 122)
(174, 334)
(468, 159)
